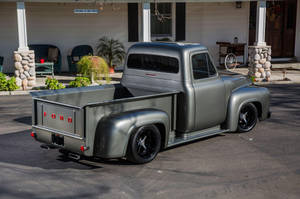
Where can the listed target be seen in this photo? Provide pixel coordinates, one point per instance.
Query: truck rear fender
(259, 96)
(113, 132)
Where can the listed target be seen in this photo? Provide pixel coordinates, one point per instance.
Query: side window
(211, 68)
(199, 65)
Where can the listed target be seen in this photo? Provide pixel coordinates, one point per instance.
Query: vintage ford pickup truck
(170, 93)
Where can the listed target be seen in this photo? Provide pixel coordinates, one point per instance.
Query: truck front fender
(239, 97)
(113, 132)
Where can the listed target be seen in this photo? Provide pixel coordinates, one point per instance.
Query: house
(67, 23)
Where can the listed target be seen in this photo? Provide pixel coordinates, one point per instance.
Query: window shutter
(180, 21)
(133, 27)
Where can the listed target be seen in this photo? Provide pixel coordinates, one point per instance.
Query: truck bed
(62, 115)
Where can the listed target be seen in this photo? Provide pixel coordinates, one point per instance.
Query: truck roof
(173, 46)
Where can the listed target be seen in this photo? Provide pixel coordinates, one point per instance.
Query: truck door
(209, 91)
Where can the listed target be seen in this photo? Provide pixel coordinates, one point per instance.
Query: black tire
(144, 144)
(248, 117)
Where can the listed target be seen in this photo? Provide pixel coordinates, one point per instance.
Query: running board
(188, 137)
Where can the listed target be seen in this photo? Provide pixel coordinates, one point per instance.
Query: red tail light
(61, 117)
(82, 148)
(32, 134)
(45, 114)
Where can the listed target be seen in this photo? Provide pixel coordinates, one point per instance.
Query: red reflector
(45, 114)
(53, 116)
(61, 117)
(70, 120)
(82, 148)
(32, 134)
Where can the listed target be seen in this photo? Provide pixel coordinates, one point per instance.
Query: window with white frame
(161, 19)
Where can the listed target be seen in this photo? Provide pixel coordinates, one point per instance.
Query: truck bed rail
(130, 99)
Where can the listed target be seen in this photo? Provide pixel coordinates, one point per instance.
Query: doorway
(280, 26)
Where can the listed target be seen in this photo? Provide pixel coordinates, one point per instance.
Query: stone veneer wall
(260, 62)
(25, 68)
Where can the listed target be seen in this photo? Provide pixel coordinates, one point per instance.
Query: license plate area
(58, 139)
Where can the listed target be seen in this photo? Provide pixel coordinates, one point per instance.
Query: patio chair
(49, 53)
(76, 54)
(1, 63)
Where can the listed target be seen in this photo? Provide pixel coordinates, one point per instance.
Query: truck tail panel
(59, 118)
(55, 117)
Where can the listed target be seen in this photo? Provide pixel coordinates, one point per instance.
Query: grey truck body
(102, 118)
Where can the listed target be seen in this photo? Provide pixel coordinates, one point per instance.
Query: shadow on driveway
(24, 120)
(21, 149)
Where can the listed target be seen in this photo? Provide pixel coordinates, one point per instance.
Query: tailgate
(58, 118)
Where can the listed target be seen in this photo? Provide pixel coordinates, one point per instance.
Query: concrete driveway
(264, 163)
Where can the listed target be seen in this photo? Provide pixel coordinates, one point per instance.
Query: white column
(22, 32)
(261, 23)
(146, 22)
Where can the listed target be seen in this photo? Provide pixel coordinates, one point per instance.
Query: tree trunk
(93, 78)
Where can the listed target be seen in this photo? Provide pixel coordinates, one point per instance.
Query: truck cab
(187, 68)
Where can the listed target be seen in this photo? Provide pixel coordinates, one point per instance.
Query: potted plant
(111, 50)
(93, 67)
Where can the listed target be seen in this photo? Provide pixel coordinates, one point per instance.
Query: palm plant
(111, 50)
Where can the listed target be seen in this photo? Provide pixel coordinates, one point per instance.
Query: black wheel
(144, 144)
(247, 118)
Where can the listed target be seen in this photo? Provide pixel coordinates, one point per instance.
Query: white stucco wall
(297, 44)
(208, 23)
(8, 33)
(55, 23)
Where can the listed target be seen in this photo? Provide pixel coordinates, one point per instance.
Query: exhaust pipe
(74, 156)
(45, 146)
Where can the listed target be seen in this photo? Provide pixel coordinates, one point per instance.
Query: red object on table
(42, 61)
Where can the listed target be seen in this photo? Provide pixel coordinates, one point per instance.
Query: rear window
(153, 63)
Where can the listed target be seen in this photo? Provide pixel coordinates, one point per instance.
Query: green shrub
(2, 82)
(7, 85)
(11, 84)
(53, 84)
(93, 67)
(80, 82)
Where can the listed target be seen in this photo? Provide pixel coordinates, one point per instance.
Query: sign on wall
(86, 11)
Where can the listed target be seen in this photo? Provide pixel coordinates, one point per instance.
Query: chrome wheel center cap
(142, 142)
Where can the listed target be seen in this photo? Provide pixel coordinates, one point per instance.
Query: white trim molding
(22, 31)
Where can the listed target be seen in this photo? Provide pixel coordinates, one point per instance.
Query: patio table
(45, 68)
